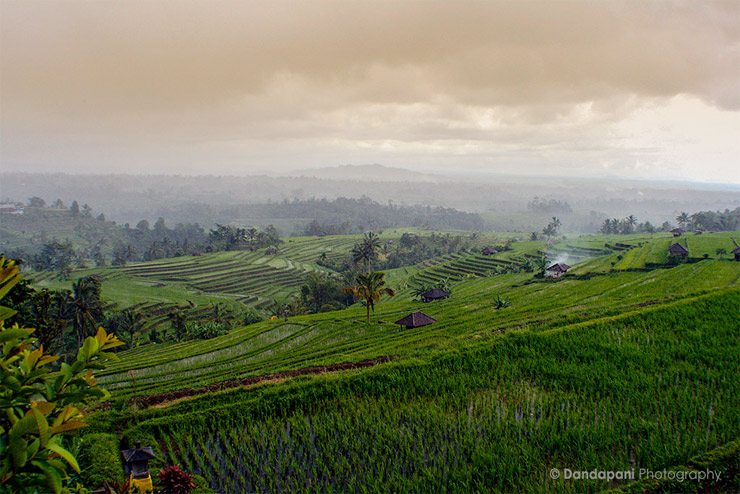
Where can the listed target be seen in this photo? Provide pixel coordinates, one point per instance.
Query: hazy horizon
(645, 91)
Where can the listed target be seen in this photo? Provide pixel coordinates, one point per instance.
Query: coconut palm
(370, 287)
(86, 307)
(366, 251)
(631, 221)
(683, 219)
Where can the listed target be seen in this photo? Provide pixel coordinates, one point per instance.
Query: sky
(632, 89)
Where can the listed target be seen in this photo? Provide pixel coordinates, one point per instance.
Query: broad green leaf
(13, 333)
(52, 475)
(58, 449)
(6, 313)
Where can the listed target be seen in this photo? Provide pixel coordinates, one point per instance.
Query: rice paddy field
(625, 362)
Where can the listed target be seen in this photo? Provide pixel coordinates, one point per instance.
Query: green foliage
(39, 403)
(370, 287)
(100, 460)
(366, 252)
(500, 303)
(204, 330)
(552, 228)
(321, 291)
(492, 418)
(201, 485)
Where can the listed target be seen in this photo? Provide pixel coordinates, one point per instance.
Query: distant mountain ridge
(372, 172)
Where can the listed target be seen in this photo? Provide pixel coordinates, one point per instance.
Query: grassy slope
(587, 371)
(656, 388)
(464, 319)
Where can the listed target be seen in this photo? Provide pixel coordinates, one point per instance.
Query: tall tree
(366, 251)
(87, 308)
(683, 219)
(370, 287)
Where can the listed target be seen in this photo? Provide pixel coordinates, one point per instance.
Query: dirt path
(157, 399)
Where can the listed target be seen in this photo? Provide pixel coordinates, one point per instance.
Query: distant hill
(373, 172)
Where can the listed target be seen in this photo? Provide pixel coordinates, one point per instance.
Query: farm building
(434, 294)
(10, 209)
(557, 269)
(678, 250)
(415, 320)
(136, 465)
(677, 232)
(736, 251)
(489, 251)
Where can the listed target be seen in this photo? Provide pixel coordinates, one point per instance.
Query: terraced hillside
(467, 317)
(651, 251)
(252, 278)
(632, 390)
(603, 368)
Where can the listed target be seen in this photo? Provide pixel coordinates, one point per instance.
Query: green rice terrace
(628, 360)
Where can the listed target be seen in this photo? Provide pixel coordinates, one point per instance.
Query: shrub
(251, 316)
(100, 460)
(205, 330)
(173, 480)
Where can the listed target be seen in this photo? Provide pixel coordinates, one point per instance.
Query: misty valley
(360, 247)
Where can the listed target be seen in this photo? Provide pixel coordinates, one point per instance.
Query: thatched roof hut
(434, 294)
(677, 232)
(415, 320)
(557, 269)
(489, 251)
(678, 250)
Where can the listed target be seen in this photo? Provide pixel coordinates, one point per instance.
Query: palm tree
(179, 323)
(370, 287)
(683, 219)
(87, 308)
(541, 264)
(366, 251)
(631, 222)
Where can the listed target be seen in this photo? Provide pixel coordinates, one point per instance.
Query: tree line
(727, 220)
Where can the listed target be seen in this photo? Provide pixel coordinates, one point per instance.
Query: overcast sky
(624, 88)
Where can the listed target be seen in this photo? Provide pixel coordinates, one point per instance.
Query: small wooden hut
(678, 250)
(677, 232)
(558, 269)
(434, 294)
(489, 251)
(415, 320)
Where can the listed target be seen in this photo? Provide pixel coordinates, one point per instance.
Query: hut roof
(678, 249)
(137, 454)
(435, 293)
(678, 230)
(560, 267)
(415, 320)
(489, 250)
(736, 250)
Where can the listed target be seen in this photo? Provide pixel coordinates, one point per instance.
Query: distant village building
(737, 253)
(489, 251)
(556, 270)
(415, 320)
(677, 232)
(136, 466)
(678, 250)
(10, 209)
(434, 294)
